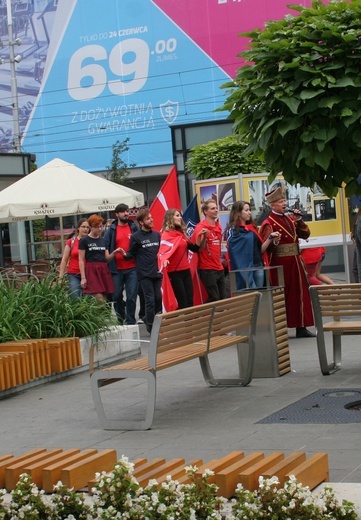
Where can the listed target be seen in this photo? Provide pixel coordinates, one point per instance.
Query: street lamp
(14, 87)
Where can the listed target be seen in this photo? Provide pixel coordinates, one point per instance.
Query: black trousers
(214, 283)
(151, 288)
(183, 287)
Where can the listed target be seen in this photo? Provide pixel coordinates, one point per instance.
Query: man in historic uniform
(287, 254)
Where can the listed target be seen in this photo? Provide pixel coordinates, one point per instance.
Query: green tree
(118, 169)
(297, 100)
(222, 158)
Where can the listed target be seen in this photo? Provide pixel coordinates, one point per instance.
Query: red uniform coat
(298, 302)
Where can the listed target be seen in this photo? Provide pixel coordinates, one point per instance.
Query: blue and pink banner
(94, 72)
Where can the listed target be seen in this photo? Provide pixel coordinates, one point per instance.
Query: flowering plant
(292, 501)
(67, 504)
(118, 495)
(171, 500)
(27, 502)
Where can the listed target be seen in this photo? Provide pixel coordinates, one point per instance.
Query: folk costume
(287, 254)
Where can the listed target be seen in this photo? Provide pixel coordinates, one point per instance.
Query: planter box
(118, 342)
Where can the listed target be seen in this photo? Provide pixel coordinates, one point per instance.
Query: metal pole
(344, 235)
(14, 87)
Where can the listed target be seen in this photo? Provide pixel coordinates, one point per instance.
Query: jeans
(74, 285)
(151, 288)
(125, 279)
(250, 279)
(258, 277)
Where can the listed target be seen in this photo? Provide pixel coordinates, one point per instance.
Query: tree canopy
(297, 101)
(221, 158)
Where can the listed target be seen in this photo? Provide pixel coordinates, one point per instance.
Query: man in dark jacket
(123, 272)
(144, 246)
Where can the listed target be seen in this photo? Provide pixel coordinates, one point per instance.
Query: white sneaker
(140, 321)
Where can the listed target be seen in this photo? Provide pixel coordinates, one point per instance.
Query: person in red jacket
(210, 267)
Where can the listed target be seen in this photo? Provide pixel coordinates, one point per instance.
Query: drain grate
(327, 406)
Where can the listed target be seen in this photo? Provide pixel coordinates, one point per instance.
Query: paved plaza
(193, 420)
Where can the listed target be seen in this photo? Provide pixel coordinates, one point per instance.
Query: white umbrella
(58, 189)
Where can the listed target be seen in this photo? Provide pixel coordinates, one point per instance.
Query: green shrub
(44, 309)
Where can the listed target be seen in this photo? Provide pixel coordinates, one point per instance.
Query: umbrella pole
(62, 235)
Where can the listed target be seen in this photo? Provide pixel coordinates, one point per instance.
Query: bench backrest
(235, 314)
(337, 301)
(196, 325)
(183, 327)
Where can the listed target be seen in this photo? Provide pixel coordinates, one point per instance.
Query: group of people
(104, 265)
(139, 260)
(275, 244)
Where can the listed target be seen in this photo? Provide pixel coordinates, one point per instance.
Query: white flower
(207, 473)
(161, 508)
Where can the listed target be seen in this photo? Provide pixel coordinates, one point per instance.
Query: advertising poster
(322, 214)
(224, 191)
(91, 73)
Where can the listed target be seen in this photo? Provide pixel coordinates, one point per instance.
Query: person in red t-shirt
(70, 261)
(173, 256)
(123, 271)
(210, 267)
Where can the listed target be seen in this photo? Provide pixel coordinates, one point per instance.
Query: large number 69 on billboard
(88, 66)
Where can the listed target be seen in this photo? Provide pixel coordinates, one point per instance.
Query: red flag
(200, 294)
(168, 246)
(167, 198)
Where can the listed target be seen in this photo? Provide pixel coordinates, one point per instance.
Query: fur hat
(277, 194)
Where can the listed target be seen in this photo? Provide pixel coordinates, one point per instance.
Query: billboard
(96, 72)
(323, 215)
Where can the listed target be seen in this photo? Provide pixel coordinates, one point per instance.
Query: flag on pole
(191, 218)
(167, 198)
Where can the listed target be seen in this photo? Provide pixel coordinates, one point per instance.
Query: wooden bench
(74, 467)
(79, 468)
(180, 336)
(235, 468)
(334, 306)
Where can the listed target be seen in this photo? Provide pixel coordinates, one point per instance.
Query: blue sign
(119, 69)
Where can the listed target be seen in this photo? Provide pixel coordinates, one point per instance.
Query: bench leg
(326, 367)
(336, 343)
(243, 380)
(99, 378)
